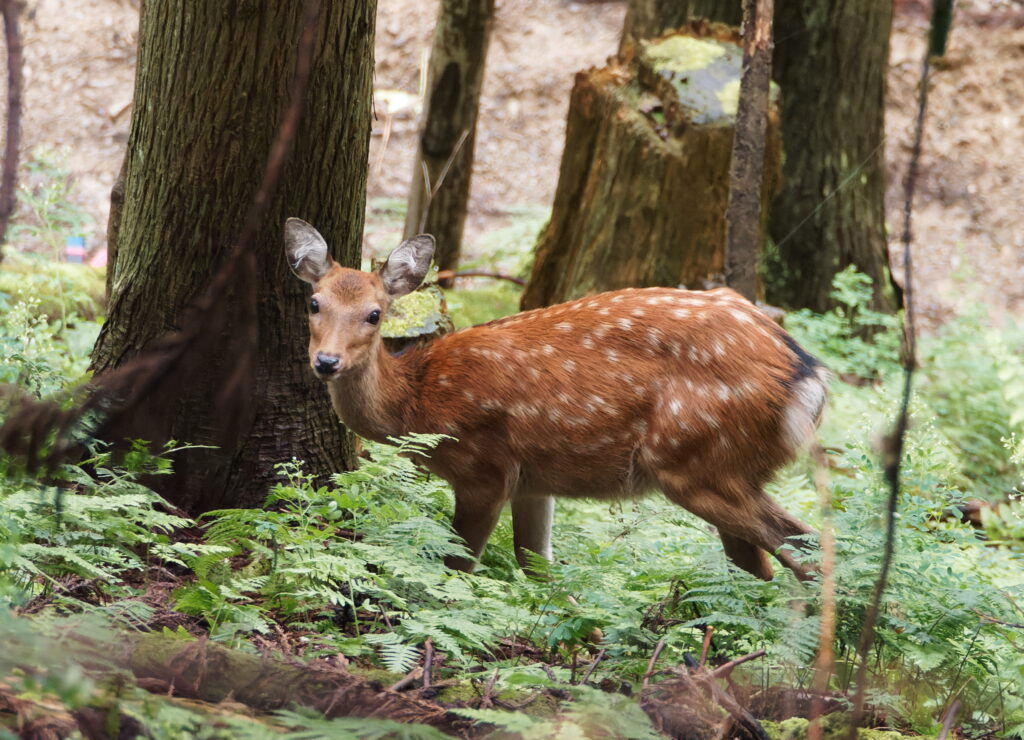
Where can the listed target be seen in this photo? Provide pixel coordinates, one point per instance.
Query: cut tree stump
(644, 181)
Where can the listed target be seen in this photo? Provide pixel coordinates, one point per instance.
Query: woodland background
(307, 611)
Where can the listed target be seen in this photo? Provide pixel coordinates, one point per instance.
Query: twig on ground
(726, 668)
(406, 680)
(487, 700)
(428, 661)
(708, 631)
(947, 722)
(654, 659)
(590, 669)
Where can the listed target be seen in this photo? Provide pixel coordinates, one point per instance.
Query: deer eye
(314, 306)
(373, 317)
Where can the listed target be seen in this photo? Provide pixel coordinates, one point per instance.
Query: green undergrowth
(355, 568)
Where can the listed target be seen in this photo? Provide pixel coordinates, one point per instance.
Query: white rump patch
(803, 413)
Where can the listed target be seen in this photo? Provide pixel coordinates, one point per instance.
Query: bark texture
(646, 19)
(644, 179)
(830, 62)
(442, 170)
(210, 89)
(744, 217)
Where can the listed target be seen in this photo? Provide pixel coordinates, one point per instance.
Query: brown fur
(607, 396)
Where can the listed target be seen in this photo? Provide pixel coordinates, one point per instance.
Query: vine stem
(893, 448)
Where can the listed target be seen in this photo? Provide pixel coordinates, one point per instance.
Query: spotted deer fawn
(697, 394)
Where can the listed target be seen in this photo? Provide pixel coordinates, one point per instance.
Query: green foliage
(356, 567)
(856, 340)
(94, 521)
(364, 555)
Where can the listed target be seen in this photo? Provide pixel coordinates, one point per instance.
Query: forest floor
(80, 57)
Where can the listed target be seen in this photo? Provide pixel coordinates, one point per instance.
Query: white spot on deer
(469, 395)
(547, 349)
(564, 397)
(604, 311)
(612, 355)
(617, 298)
(692, 354)
(569, 366)
(442, 379)
(653, 301)
(723, 392)
(489, 404)
(719, 348)
(654, 337)
(710, 419)
(625, 324)
(640, 427)
(683, 427)
(587, 342)
(681, 313)
(675, 406)
(638, 313)
(451, 427)
(534, 372)
(564, 326)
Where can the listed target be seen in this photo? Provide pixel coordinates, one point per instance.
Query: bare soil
(969, 217)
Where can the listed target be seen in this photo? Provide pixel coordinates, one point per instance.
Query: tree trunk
(646, 19)
(210, 89)
(744, 217)
(830, 63)
(643, 185)
(441, 175)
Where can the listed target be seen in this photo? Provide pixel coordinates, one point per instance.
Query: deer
(697, 394)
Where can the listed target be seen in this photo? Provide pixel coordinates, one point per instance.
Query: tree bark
(646, 19)
(439, 192)
(211, 85)
(830, 63)
(744, 219)
(643, 184)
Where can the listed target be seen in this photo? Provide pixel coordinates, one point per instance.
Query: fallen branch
(654, 659)
(445, 275)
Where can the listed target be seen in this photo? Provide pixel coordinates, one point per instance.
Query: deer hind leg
(750, 558)
(747, 520)
(477, 506)
(531, 526)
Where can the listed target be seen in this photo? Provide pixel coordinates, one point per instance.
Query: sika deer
(697, 394)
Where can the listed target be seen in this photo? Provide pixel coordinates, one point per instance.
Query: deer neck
(376, 402)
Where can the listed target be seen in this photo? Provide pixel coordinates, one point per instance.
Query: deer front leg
(477, 507)
(531, 526)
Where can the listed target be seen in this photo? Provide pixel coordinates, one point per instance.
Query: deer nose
(326, 364)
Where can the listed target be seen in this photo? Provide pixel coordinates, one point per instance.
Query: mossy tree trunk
(211, 86)
(644, 180)
(442, 170)
(830, 62)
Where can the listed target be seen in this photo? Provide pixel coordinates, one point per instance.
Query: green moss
(703, 73)
(418, 313)
(834, 727)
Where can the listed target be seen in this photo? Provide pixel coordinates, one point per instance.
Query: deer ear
(407, 265)
(306, 251)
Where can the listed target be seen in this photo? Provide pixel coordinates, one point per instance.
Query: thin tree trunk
(9, 180)
(439, 193)
(210, 89)
(743, 218)
(830, 62)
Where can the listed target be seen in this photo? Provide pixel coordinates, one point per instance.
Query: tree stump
(644, 181)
